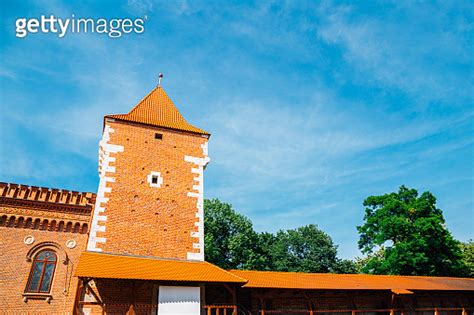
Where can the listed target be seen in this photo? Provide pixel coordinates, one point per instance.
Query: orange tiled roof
(157, 109)
(101, 265)
(295, 280)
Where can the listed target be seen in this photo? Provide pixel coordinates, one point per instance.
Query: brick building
(138, 245)
(37, 221)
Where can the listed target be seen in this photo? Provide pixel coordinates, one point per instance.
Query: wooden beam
(80, 289)
(96, 296)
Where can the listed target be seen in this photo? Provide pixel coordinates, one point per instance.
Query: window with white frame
(155, 179)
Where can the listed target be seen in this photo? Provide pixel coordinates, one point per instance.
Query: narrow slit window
(158, 136)
(155, 179)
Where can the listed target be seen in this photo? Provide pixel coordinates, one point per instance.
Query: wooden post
(208, 311)
(131, 310)
(234, 298)
(262, 303)
(79, 295)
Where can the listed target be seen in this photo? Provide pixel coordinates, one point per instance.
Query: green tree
(364, 264)
(468, 257)
(305, 249)
(345, 266)
(412, 231)
(230, 241)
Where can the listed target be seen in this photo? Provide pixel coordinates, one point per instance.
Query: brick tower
(150, 195)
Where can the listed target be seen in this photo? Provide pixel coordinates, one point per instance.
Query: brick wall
(33, 219)
(136, 218)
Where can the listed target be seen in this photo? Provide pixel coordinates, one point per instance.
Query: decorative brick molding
(106, 152)
(49, 199)
(58, 249)
(34, 223)
(198, 193)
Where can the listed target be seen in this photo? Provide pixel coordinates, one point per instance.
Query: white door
(179, 300)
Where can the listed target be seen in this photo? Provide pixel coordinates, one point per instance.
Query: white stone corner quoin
(198, 193)
(107, 152)
(159, 179)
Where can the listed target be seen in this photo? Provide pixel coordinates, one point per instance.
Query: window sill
(37, 296)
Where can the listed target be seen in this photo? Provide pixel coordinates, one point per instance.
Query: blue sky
(312, 106)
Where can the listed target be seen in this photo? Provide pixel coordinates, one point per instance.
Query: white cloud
(140, 7)
(281, 148)
(412, 53)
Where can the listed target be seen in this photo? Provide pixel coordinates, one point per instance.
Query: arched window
(42, 272)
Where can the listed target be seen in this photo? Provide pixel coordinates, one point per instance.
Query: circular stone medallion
(71, 244)
(28, 240)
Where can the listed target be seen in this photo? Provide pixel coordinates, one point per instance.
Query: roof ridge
(347, 274)
(144, 98)
(157, 109)
(230, 273)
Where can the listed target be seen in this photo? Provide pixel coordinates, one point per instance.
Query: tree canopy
(468, 257)
(232, 243)
(408, 233)
(306, 249)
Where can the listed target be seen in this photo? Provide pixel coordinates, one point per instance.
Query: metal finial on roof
(160, 77)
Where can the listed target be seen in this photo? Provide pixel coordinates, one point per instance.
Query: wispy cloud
(408, 48)
(312, 107)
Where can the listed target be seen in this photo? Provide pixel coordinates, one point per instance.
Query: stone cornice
(57, 200)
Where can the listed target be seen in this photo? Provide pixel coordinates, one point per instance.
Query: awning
(113, 266)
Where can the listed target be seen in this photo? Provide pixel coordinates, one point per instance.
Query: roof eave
(204, 133)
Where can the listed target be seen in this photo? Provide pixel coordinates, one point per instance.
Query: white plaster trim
(29, 239)
(160, 179)
(106, 149)
(71, 244)
(198, 193)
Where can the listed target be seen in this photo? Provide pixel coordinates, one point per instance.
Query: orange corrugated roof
(111, 266)
(296, 280)
(157, 109)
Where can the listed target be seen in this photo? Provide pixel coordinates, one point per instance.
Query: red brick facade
(141, 218)
(33, 219)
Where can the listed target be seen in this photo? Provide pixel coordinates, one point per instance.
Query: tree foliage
(306, 249)
(410, 232)
(468, 257)
(232, 243)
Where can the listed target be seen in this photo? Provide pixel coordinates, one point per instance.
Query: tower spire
(160, 77)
